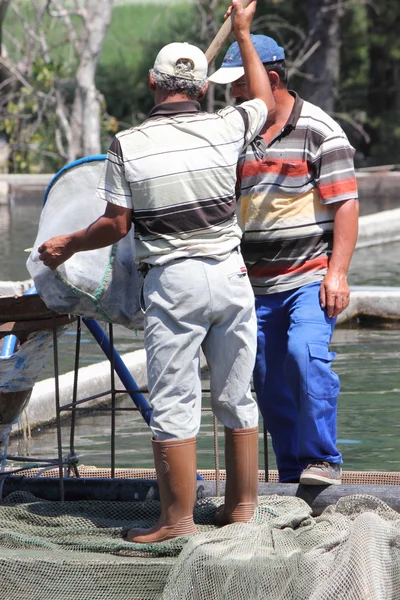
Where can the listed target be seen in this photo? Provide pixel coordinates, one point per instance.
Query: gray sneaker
(321, 472)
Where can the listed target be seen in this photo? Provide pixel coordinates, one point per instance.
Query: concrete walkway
(375, 303)
(378, 190)
(379, 228)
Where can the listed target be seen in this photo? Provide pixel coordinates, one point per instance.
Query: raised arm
(257, 80)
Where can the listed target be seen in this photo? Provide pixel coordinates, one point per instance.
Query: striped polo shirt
(177, 172)
(287, 190)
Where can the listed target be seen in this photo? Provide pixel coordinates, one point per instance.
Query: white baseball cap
(181, 59)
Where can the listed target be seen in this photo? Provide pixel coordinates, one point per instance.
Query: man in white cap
(174, 177)
(299, 212)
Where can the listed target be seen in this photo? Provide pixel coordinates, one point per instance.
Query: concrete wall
(379, 228)
(16, 188)
(379, 304)
(383, 304)
(378, 191)
(93, 379)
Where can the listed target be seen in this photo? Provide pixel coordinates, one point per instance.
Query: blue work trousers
(296, 389)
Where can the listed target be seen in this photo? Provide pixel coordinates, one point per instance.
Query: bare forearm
(100, 233)
(344, 236)
(108, 229)
(257, 80)
(335, 292)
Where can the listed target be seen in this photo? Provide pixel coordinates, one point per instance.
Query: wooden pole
(222, 35)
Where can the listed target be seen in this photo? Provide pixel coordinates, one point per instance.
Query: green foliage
(134, 38)
(136, 34)
(384, 82)
(368, 90)
(30, 127)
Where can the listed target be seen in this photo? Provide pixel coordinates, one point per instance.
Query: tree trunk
(323, 66)
(211, 29)
(86, 109)
(3, 10)
(396, 80)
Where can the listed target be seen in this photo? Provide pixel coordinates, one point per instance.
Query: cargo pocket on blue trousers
(322, 382)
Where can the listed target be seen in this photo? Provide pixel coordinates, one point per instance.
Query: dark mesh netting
(76, 551)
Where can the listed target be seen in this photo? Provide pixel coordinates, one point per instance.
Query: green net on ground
(76, 551)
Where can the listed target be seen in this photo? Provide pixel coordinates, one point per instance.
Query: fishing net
(351, 551)
(75, 550)
(102, 283)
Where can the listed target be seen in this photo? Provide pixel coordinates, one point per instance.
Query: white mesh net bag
(101, 283)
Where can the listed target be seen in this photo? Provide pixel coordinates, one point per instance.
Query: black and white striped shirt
(177, 172)
(288, 189)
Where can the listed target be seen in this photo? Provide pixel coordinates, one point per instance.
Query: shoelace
(319, 464)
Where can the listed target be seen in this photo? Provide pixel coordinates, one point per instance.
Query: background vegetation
(363, 88)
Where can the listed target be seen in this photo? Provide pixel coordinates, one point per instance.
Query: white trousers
(191, 304)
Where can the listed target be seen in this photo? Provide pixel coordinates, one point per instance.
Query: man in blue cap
(299, 212)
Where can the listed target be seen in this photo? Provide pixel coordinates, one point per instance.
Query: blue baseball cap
(232, 66)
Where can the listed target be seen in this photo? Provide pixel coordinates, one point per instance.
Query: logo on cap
(184, 66)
